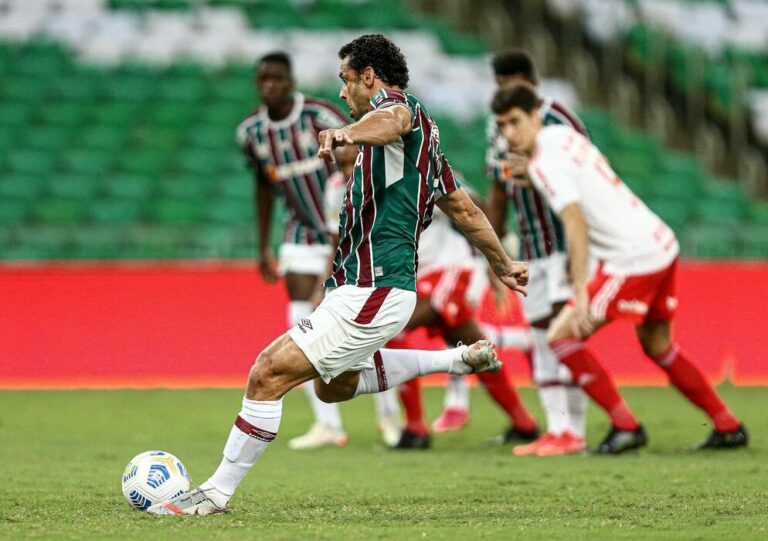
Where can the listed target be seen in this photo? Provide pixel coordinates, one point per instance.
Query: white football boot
(390, 428)
(318, 436)
(194, 502)
(479, 357)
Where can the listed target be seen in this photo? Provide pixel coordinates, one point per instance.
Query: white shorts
(350, 325)
(304, 258)
(548, 284)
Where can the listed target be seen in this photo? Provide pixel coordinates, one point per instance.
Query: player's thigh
(468, 332)
(279, 368)
(423, 315)
(339, 389)
(561, 327)
(537, 305)
(655, 337)
(301, 287)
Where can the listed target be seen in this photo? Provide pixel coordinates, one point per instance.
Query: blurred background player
(280, 142)
(638, 256)
(543, 245)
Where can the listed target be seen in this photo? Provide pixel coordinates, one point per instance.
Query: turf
(62, 453)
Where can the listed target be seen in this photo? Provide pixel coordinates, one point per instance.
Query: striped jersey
(286, 152)
(388, 201)
(541, 232)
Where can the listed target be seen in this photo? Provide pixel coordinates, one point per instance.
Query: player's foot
(480, 357)
(726, 440)
(451, 419)
(193, 502)
(617, 441)
(532, 447)
(318, 436)
(515, 435)
(565, 444)
(411, 440)
(390, 429)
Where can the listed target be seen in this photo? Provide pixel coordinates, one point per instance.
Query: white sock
(457, 393)
(387, 404)
(395, 366)
(577, 410)
(255, 427)
(554, 401)
(325, 413)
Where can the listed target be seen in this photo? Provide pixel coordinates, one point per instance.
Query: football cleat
(532, 447)
(318, 436)
(481, 357)
(617, 441)
(726, 440)
(390, 429)
(566, 443)
(451, 419)
(513, 435)
(193, 502)
(411, 440)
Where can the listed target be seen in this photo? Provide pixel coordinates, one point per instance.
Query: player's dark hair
(521, 96)
(381, 54)
(277, 57)
(515, 62)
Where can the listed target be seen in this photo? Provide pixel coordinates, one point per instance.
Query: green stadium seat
(96, 242)
(759, 213)
(213, 241)
(191, 188)
(26, 89)
(177, 213)
(710, 242)
(105, 138)
(216, 137)
(59, 211)
(43, 236)
(134, 89)
(200, 162)
(185, 89)
(88, 162)
(15, 114)
(69, 115)
(30, 253)
(77, 88)
(21, 187)
(230, 212)
(13, 212)
(156, 138)
(117, 113)
(154, 242)
(725, 202)
(116, 212)
(754, 241)
(73, 187)
(675, 213)
(173, 114)
(674, 186)
(129, 187)
(49, 138)
(149, 162)
(238, 187)
(33, 162)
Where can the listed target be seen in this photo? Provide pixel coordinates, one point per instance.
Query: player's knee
(263, 377)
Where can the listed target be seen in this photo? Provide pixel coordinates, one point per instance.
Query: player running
(280, 141)
(638, 256)
(400, 174)
(543, 245)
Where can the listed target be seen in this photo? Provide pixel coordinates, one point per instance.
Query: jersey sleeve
(245, 142)
(554, 174)
(445, 179)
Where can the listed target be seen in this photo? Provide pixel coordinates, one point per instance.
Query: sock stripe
(668, 357)
(254, 431)
(381, 375)
(563, 348)
(372, 305)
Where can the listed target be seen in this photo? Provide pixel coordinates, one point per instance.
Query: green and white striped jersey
(388, 202)
(286, 152)
(541, 232)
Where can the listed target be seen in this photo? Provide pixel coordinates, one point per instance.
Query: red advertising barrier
(200, 325)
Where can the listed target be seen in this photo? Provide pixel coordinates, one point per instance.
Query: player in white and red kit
(638, 255)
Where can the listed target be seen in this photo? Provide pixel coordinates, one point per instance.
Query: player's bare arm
(265, 197)
(377, 128)
(575, 226)
(465, 214)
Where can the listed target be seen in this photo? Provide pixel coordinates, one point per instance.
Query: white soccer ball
(154, 477)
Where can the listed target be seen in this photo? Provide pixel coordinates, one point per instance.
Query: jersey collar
(293, 116)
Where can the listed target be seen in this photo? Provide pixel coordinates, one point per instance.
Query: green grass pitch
(62, 454)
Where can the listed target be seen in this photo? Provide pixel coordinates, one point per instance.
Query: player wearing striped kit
(635, 281)
(543, 245)
(280, 142)
(400, 174)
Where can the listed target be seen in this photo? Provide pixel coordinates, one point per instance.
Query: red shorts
(446, 291)
(638, 297)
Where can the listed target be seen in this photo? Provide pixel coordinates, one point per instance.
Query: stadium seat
(129, 187)
(753, 241)
(13, 212)
(710, 242)
(191, 188)
(33, 162)
(87, 162)
(21, 187)
(116, 212)
(176, 213)
(230, 212)
(73, 186)
(58, 211)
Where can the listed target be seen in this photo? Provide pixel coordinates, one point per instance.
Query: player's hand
(514, 275)
(268, 267)
(583, 325)
(330, 139)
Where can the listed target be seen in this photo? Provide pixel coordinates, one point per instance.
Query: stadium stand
(117, 126)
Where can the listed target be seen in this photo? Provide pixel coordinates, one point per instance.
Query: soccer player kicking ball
(638, 256)
(279, 141)
(400, 173)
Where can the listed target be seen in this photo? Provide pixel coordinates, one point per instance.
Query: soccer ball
(154, 477)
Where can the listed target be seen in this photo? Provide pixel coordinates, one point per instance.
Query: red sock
(501, 390)
(592, 377)
(410, 396)
(690, 381)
